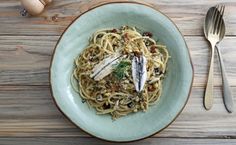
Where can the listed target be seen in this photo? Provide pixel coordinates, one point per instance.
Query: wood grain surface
(92, 141)
(187, 14)
(28, 114)
(29, 57)
(29, 111)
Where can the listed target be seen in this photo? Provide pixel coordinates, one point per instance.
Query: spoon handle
(208, 99)
(227, 95)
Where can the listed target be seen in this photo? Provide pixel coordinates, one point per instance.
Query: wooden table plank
(189, 16)
(28, 111)
(25, 60)
(28, 114)
(93, 141)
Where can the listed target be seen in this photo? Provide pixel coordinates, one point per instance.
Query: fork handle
(208, 99)
(227, 95)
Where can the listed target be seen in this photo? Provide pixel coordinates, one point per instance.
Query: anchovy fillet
(105, 67)
(139, 72)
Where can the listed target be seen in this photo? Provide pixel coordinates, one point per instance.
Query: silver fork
(213, 32)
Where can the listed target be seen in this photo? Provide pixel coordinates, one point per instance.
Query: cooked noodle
(115, 94)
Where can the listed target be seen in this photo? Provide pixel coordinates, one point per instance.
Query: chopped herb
(121, 69)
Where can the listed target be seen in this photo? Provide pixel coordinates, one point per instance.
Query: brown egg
(35, 7)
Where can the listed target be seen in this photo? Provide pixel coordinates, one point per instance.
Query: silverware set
(214, 30)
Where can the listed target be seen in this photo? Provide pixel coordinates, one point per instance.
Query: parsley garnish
(121, 69)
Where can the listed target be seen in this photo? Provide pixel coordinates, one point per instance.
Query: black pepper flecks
(105, 106)
(83, 100)
(130, 105)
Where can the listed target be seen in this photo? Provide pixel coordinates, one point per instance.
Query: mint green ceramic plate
(177, 84)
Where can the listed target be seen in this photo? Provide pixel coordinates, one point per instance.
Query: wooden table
(28, 114)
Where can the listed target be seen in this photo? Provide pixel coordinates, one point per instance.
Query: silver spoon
(214, 30)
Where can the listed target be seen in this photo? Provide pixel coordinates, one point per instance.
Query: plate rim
(118, 2)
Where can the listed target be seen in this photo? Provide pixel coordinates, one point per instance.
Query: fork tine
(221, 21)
(217, 19)
(213, 19)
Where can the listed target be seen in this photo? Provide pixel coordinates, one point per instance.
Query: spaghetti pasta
(106, 82)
